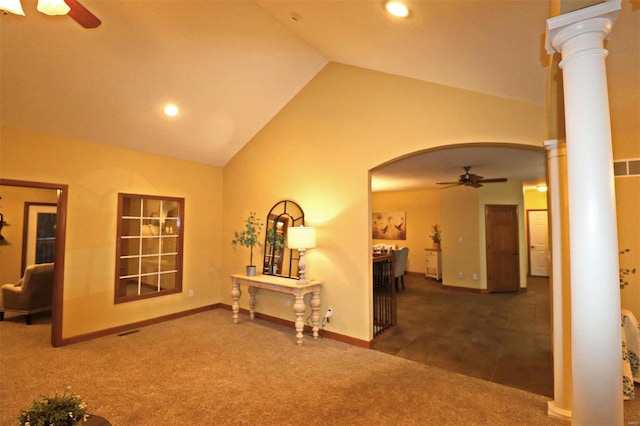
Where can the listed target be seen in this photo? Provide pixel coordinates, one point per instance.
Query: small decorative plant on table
(65, 410)
(436, 236)
(248, 237)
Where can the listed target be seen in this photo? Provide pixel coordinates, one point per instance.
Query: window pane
(150, 264)
(130, 227)
(169, 244)
(151, 209)
(129, 246)
(168, 281)
(129, 266)
(150, 246)
(127, 287)
(131, 206)
(168, 263)
(170, 226)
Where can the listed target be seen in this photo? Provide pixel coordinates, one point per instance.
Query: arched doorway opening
(456, 325)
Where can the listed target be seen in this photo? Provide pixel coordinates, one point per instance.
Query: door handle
(514, 253)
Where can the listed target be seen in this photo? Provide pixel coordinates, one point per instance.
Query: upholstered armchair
(32, 293)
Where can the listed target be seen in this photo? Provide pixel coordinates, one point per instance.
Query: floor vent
(629, 167)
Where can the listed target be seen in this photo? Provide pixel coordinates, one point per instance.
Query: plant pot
(251, 271)
(436, 246)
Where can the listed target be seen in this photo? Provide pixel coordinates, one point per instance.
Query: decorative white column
(595, 294)
(560, 407)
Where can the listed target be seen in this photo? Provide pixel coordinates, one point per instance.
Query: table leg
(315, 311)
(299, 308)
(235, 297)
(252, 302)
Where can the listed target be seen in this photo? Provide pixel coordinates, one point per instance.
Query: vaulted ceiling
(232, 65)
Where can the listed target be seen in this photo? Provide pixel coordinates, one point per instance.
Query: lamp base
(301, 266)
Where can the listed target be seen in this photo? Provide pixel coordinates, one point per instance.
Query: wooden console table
(281, 285)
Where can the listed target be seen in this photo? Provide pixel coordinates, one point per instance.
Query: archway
(499, 160)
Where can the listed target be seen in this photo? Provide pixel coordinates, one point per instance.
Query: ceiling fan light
(53, 7)
(12, 6)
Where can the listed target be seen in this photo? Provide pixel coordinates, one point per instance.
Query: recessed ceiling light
(171, 110)
(397, 9)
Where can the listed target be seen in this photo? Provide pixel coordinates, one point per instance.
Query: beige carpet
(204, 370)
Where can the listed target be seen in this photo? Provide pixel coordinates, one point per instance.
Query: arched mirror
(278, 259)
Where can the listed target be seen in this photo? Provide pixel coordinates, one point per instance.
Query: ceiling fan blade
(492, 180)
(81, 15)
(451, 184)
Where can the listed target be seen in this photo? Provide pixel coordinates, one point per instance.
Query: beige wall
(12, 206)
(318, 151)
(422, 211)
(95, 174)
(461, 237)
(464, 245)
(627, 146)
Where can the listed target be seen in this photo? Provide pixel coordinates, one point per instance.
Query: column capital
(599, 18)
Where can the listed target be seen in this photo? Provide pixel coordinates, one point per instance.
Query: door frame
(61, 232)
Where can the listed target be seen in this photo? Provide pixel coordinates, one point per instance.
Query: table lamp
(301, 238)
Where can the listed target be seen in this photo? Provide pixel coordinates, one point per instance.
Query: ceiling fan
(75, 10)
(471, 179)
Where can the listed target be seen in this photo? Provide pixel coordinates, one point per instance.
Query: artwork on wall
(389, 226)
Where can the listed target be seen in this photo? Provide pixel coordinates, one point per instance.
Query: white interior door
(538, 242)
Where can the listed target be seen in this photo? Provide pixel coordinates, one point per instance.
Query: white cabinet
(434, 264)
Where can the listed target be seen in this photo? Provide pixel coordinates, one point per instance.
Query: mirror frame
(283, 214)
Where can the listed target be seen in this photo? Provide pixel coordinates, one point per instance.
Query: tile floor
(499, 337)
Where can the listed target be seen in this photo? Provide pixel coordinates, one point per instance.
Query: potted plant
(624, 272)
(436, 236)
(248, 237)
(65, 410)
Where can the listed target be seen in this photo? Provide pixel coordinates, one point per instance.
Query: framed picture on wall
(389, 226)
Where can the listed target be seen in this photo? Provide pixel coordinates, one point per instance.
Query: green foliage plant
(248, 237)
(59, 410)
(436, 234)
(625, 272)
(275, 238)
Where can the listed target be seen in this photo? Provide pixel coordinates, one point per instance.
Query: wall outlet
(329, 314)
(475, 277)
(191, 293)
(460, 275)
(287, 302)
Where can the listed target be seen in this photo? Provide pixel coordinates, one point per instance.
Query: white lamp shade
(13, 6)
(53, 7)
(301, 237)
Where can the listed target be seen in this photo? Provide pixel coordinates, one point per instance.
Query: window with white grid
(149, 246)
